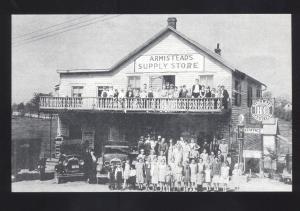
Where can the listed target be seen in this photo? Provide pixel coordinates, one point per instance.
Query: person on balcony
(176, 92)
(225, 98)
(202, 92)
(116, 94)
(129, 93)
(213, 92)
(122, 94)
(183, 92)
(208, 92)
(196, 89)
(150, 92)
(104, 93)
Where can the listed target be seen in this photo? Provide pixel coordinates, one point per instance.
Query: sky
(258, 45)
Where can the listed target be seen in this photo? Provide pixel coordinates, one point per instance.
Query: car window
(116, 151)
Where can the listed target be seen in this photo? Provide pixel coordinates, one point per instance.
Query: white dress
(162, 168)
(224, 178)
(193, 168)
(207, 175)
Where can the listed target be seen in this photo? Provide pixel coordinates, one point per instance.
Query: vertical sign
(88, 134)
(240, 131)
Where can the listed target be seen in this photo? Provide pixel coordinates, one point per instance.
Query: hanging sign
(169, 63)
(262, 109)
(253, 130)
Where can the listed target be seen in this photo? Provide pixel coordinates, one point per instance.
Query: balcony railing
(132, 104)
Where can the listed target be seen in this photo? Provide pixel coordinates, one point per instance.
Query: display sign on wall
(169, 62)
(88, 134)
(62, 129)
(262, 109)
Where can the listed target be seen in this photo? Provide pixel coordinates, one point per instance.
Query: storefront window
(77, 91)
(101, 88)
(258, 93)
(134, 82)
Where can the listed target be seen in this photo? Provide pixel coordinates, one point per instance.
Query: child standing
(126, 173)
(147, 174)
(200, 175)
(119, 176)
(162, 174)
(154, 173)
(139, 166)
(235, 179)
(186, 176)
(132, 178)
(193, 168)
(216, 172)
(207, 173)
(168, 179)
(111, 176)
(224, 175)
(178, 176)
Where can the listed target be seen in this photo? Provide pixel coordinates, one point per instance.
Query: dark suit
(225, 99)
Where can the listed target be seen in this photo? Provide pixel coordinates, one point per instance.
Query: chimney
(172, 22)
(218, 50)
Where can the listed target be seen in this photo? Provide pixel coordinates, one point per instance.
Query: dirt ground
(254, 185)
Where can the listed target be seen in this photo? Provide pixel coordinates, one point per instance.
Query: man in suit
(225, 97)
(196, 89)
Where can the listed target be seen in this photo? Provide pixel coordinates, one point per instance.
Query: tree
(14, 107)
(34, 102)
(267, 94)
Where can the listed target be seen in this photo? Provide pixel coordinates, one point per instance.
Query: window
(77, 91)
(168, 80)
(249, 96)
(258, 93)
(101, 88)
(206, 80)
(237, 93)
(134, 82)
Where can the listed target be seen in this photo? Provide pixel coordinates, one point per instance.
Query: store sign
(252, 130)
(62, 129)
(252, 154)
(262, 109)
(169, 63)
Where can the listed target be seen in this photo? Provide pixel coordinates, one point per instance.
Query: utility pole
(50, 135)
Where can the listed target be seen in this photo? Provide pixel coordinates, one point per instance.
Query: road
(254, 185)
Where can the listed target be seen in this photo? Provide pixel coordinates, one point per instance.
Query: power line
(22, 35)
(64, 31)
(68, 26)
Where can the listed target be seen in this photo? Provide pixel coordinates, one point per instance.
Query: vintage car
(70, 164)
(113, 153)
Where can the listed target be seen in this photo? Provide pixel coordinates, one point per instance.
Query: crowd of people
(169, 91)
(183, 165)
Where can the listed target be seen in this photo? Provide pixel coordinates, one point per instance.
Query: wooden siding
(167, 44)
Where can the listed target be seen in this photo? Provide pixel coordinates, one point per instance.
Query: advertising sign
(240, 130)
(262, 109)
(88, 134)
(252, 130)
(169, 62)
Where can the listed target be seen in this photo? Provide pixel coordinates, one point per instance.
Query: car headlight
(81, 162)
(65, 163)
(106, 163)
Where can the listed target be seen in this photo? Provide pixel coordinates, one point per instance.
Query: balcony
(180, 105)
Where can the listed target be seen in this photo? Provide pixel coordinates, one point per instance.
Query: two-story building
(168, 57)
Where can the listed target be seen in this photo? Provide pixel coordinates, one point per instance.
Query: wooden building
(168, 57)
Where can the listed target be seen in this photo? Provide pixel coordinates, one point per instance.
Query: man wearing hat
(224, 148)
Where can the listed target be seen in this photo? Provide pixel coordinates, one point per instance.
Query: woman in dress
(186, 176)
(224, 179)
(204, 156)
(162, 168)
(178, 154)
(170, 151)
(126, 173)
(207, 174)
(147, 174)
(216, 172)
(178, 176)
(202, 92)
(186, 151)
(139, 166)
(193, 168)
(154, 173)
(200, 174)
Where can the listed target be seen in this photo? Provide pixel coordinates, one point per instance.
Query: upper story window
(207, 80)
(258, 93)
(237, 93)
(77, 91)
(249, 96)
(134, 82)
